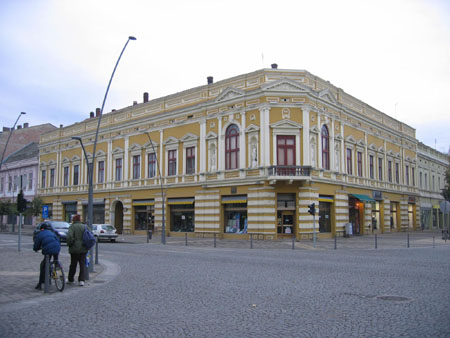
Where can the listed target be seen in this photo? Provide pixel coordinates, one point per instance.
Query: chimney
(145, 97)
(97, 112)
(210, 79)
(25, 125)
(274, 66)
(134, 103)
(19, 127)
(60, 126)
(91, 114)
(5, 129)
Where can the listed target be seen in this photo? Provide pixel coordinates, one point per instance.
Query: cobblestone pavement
(151, 290)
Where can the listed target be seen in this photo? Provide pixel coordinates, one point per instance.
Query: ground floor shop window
(425, 218)
(411, 216)
(286, 205)
(98, 214)
(394, 215)
(182, 218)
(325, 213)
(70, 209)
(235, 216)
(354, 215)
(435, 218)
(375, 216)
(144, 217)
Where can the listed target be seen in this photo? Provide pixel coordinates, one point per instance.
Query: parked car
(59, 227)
(104, 231)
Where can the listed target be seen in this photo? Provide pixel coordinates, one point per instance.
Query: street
(151, 290)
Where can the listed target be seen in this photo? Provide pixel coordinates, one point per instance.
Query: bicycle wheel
(58, 276)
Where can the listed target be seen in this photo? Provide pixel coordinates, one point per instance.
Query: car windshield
(107, 227)
(60, 225)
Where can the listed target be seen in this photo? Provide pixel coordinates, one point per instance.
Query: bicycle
(57, 274)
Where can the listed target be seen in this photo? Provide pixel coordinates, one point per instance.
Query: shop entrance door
(286, 226)
(324, 217)
(353, 215)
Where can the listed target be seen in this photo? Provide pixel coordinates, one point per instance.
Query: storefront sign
(411, 199)
(377, 195)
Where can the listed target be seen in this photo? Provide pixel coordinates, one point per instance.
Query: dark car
(59, 227)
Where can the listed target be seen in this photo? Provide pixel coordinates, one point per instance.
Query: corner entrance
(286, 225)
(118, 217)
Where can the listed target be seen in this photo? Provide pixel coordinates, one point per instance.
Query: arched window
(232, 147)
(325, 148)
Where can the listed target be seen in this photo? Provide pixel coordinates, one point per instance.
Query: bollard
(433, 242)
(408, 241)
(47, 273)
(185, 239)
(376, 242)
(335, 242)
(293, 242)
(251, 241)
(214, 239)
(96, 250)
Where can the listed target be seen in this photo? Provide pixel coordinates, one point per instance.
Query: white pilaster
(242, 147)
(202, 146)
(305, 117)
(220, 146)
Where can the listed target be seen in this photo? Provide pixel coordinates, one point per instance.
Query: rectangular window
(66, 176)
(360, 164)
(190, 160)
(413, 176)
(151, 167)
(432, 182)
(407, 175)
(15, 183)
(76, 174)
(420, 180)
(43, 177)
(118, 169)
(380, 169)
(349, 162)
(172, 168)
(30, 181)
(136, 167)
(426, 181)
(390, 171)
(101, 171)
(2, 182)
(52, 178)
(397, 173)
(371, 172)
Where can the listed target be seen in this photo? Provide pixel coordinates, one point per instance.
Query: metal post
(185, 239)
(20, 230)
(335, 241)
(293, 242)
(96, 251)
(214, 239)
(47, 273)
(251, 241)
(9, 136)
(433, 242)
(376, 242)
(314, 230)
(408, 240)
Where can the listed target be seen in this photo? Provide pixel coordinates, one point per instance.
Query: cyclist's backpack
(88, 238)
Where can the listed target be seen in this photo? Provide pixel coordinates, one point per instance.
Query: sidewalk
(19, 271)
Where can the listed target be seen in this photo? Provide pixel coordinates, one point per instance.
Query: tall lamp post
(91, 190)
(163, 227)
(9, 136)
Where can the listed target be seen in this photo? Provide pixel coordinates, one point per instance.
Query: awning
(188, 200)
(363, 198)
(143, 202)
(95, 201)
(436, 206)
(234, 199)
(328, 199)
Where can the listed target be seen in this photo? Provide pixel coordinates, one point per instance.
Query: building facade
(246, 155)
(432, 167)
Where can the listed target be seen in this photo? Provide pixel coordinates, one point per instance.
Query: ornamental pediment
(100, 153)
(134, 147)
(171, 140)
(229, 93)
(327, 96)
(189, 137)
(372, 147)
(314, 129)
(350, 139)
(211, 135)
(252, 128)
(361, 142)
(285, 85)
(75, 158)
(149, 144)
(117, 150)
(381, 149)
(286, 124)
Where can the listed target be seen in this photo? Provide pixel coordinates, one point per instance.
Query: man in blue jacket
(48, 241)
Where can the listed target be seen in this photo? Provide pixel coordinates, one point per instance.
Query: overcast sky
(57, 56)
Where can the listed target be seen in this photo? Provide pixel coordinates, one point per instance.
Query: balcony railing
(296, 171)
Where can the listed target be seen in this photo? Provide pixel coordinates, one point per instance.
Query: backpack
(88, 238)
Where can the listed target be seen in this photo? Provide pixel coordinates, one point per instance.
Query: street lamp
(9, 136)
(91, 190)
(163, 228)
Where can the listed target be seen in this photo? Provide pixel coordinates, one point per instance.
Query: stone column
(305, 117)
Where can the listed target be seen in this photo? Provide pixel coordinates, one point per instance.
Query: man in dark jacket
(77, 250)
(50, 245)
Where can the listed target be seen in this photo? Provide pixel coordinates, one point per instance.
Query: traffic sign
(45, 211)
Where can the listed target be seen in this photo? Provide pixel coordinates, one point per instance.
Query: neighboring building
(243, 155)
(21, 159)
(432, 167)
(21, 136)
(19, 171)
